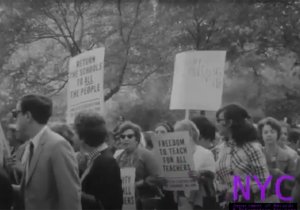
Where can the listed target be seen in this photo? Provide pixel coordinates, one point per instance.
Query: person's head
(233, 122)
(187, 125)
(31, 113)
(285, 129)
(207, 131)
(294, 138)
(64, 130)
(269, 130)
(130, 135)
(163, 127)
(148, 140)
(91, 128)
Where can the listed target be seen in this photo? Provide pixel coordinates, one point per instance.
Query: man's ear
(28, 116)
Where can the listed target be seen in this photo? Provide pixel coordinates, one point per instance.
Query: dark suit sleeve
(6, 190)
(107, 183)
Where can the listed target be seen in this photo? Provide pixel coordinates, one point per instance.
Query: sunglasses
(128, 136)
(15, 113)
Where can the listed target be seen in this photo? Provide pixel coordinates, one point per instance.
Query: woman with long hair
(242, 155)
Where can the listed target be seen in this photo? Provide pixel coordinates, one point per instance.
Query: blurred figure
(13, 138)
(206, 140)
(279, 160)
(145, 163)
(111, 142)
(64, 130)
(167, 201)
(284, 143)
(101, 180)
(296, 191)
(14, 164)
(218, 145)
(207, 132)
(204, 167)
(50, 177)
(163, 127)
(241, 155)
(148, 140)
(6, 191)
(294, 139)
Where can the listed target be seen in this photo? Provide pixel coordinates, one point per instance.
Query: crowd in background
(60, 166)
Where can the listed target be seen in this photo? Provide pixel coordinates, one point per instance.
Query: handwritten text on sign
(128, 185)
(85, 88)
(198, 80)
(174, 154)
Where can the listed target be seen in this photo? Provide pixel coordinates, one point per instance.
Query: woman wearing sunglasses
(147, 168)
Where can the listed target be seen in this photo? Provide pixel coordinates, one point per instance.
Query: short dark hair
(241, 129)
(64, 130)
(294, 135)
(91, 128)
(206, 128)
(169, 127)
(273, 123)
(39, 106)
(130, 125)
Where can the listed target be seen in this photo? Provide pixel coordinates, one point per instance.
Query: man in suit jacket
(50, 179)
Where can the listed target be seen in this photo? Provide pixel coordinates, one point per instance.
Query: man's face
(21, 122)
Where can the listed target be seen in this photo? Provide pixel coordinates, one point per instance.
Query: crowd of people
(61, 166)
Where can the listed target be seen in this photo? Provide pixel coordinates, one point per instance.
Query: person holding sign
(147, 168)
(203, 161)
(167, 202)
(101, 181)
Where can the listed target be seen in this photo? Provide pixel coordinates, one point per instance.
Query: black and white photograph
(149, 104)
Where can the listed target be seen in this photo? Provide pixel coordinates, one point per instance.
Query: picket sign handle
(187, 114)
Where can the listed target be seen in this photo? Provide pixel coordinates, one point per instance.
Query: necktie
(31, 148)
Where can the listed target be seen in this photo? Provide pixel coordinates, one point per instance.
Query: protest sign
(198, 80)
(175, 156)
(128, 186)
(85, 84)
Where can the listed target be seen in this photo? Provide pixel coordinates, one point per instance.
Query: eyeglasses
(220, 120)
(15, 113)
(128, 136)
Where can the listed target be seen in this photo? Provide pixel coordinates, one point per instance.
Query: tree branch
(60, 88)
(141, 80)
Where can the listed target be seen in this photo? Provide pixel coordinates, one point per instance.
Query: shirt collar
(36, 139)
(93, 154)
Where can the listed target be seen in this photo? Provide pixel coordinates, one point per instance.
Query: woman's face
(284, 136)
(128, 140)
(222, 125)
(161, 130)
(269, 134)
